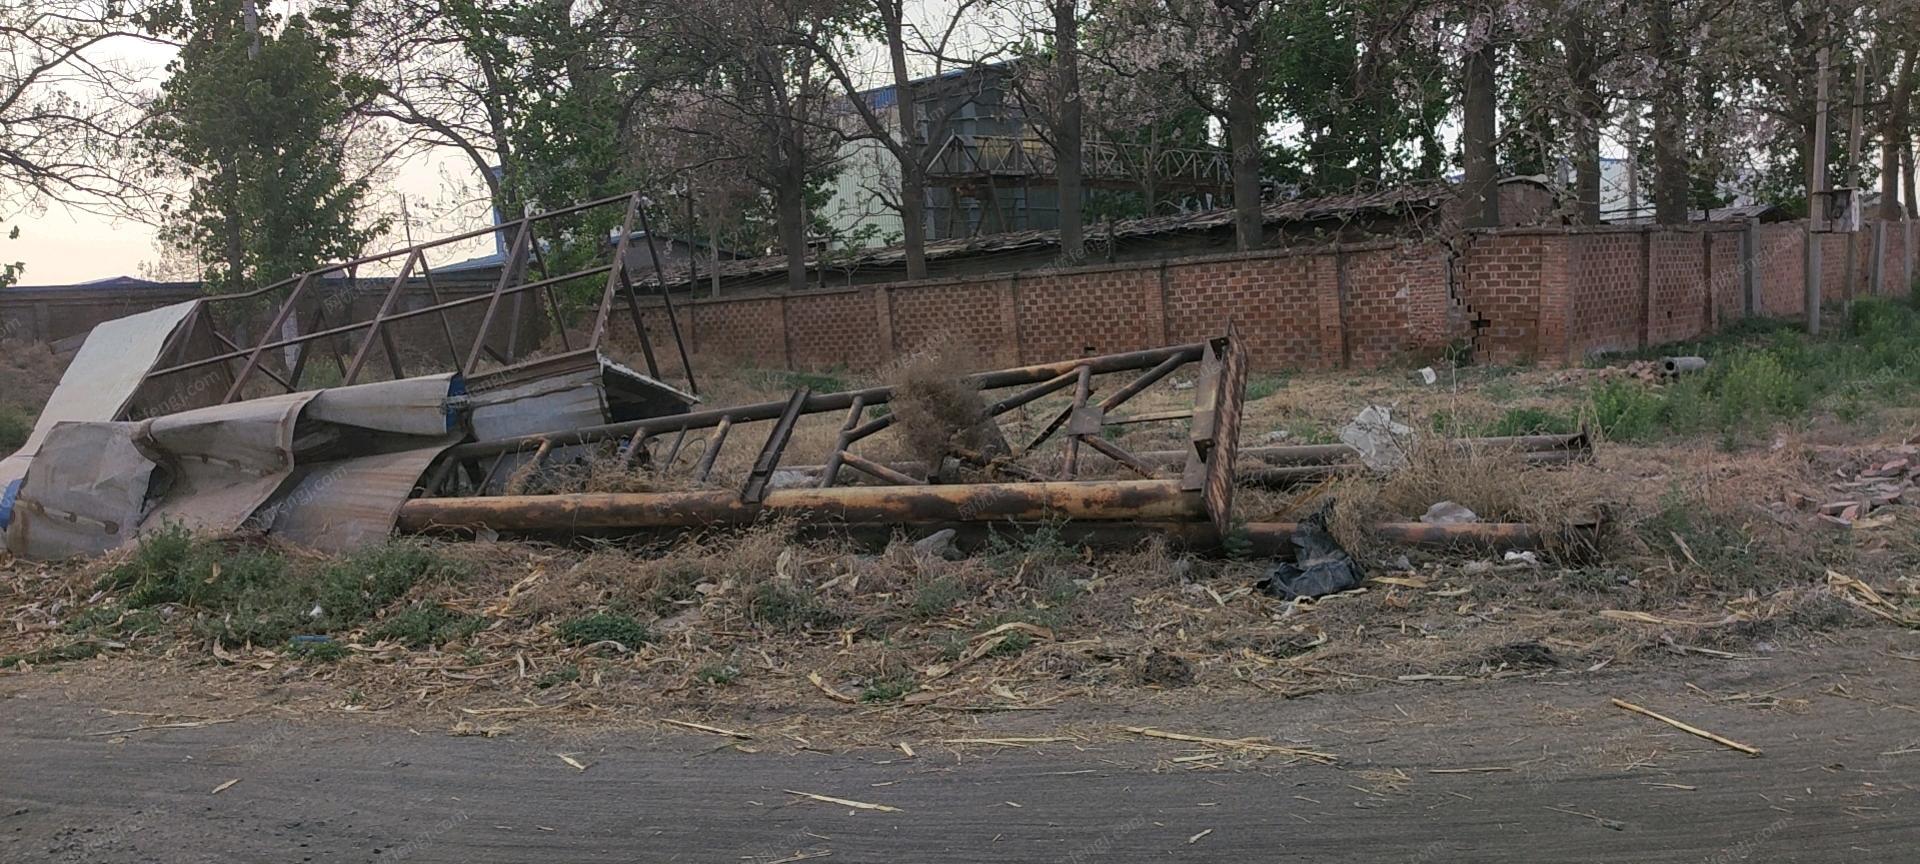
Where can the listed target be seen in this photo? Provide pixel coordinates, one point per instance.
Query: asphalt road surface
(1536, 769)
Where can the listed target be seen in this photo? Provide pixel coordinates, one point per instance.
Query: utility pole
(1816, 196)
(1853, 175)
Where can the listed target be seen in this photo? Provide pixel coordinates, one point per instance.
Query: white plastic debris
(1521, 558)
(1427, 375)
(1448, 513)
(1381, 443)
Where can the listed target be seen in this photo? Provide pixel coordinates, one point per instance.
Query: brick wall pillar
(786, 329)
(1645, 288)
(1750, 267)
(1555, 298)
(882, 300)
(1010, 338)
(1329, 283)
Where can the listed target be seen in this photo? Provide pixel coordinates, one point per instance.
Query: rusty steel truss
(202, 345)
(462, 489)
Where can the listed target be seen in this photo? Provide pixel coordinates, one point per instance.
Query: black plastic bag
(1319, 566)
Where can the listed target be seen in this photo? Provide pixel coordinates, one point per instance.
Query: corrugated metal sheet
(101, 378)
(342, 505)
(91, 493)
(215, 469)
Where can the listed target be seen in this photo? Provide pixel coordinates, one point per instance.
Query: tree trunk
(1669, 118)
(1898, 128)
(1906, 171)
(1481, 194)
(1243, 135)
(913, 185)
(713, 238)
(1589, 116)
(792, 218)
(1149, 190)
(1066, 128)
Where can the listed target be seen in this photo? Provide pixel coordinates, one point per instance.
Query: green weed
(789, 608)
(892, 688)
(1260, 386)
(252, 595)
(15, 426)
(317, 650)
(604, 627)
(936, 596)
(1627, 411)
(54, 654)
(1532, 421)
(115, 620)
(425, 624)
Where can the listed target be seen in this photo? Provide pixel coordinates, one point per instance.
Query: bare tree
(911, 140)
(66, 113)
(760, 110)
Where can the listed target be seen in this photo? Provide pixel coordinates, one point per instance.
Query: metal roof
(1424, 197)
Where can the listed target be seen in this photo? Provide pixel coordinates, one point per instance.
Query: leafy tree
(252, 118)
(1367, 115)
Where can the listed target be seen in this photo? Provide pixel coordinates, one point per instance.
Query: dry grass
(739, 619)
(935, 410)
(28, 373)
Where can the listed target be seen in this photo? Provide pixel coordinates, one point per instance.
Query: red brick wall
(1282, 306)
(1551, 295)
(1833, 265)
(1066, 314)
(1606, 294)
(1895, 281)
(834, 329)
(1781, 267)
(1677, 280)
(749, 330)
(1729, 297)
(1501, 284)
(1395, 304)
(977, 313)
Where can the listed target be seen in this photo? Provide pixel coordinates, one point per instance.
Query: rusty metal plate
(1218, 491)
(1086, 420)
(1206, 396)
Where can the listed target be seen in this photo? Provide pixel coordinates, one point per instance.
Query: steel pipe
(1149, 500)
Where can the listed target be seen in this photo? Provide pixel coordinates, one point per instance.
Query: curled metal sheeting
(102, 377)
(326, 467)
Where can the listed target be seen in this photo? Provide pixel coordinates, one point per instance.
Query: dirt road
(1536, 768)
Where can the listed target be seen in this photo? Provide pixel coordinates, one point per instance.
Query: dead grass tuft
(1495, 486)
(934, 409)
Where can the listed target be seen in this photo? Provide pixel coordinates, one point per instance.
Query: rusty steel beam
(769, 460)
(831, 472)
(508, 267)
(666, 296)
(876, 470)
(443, 241)
(379, 318)
(260, 348)
(619, 263)
(1262, 539)
(1132, 500)
(712, 451)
